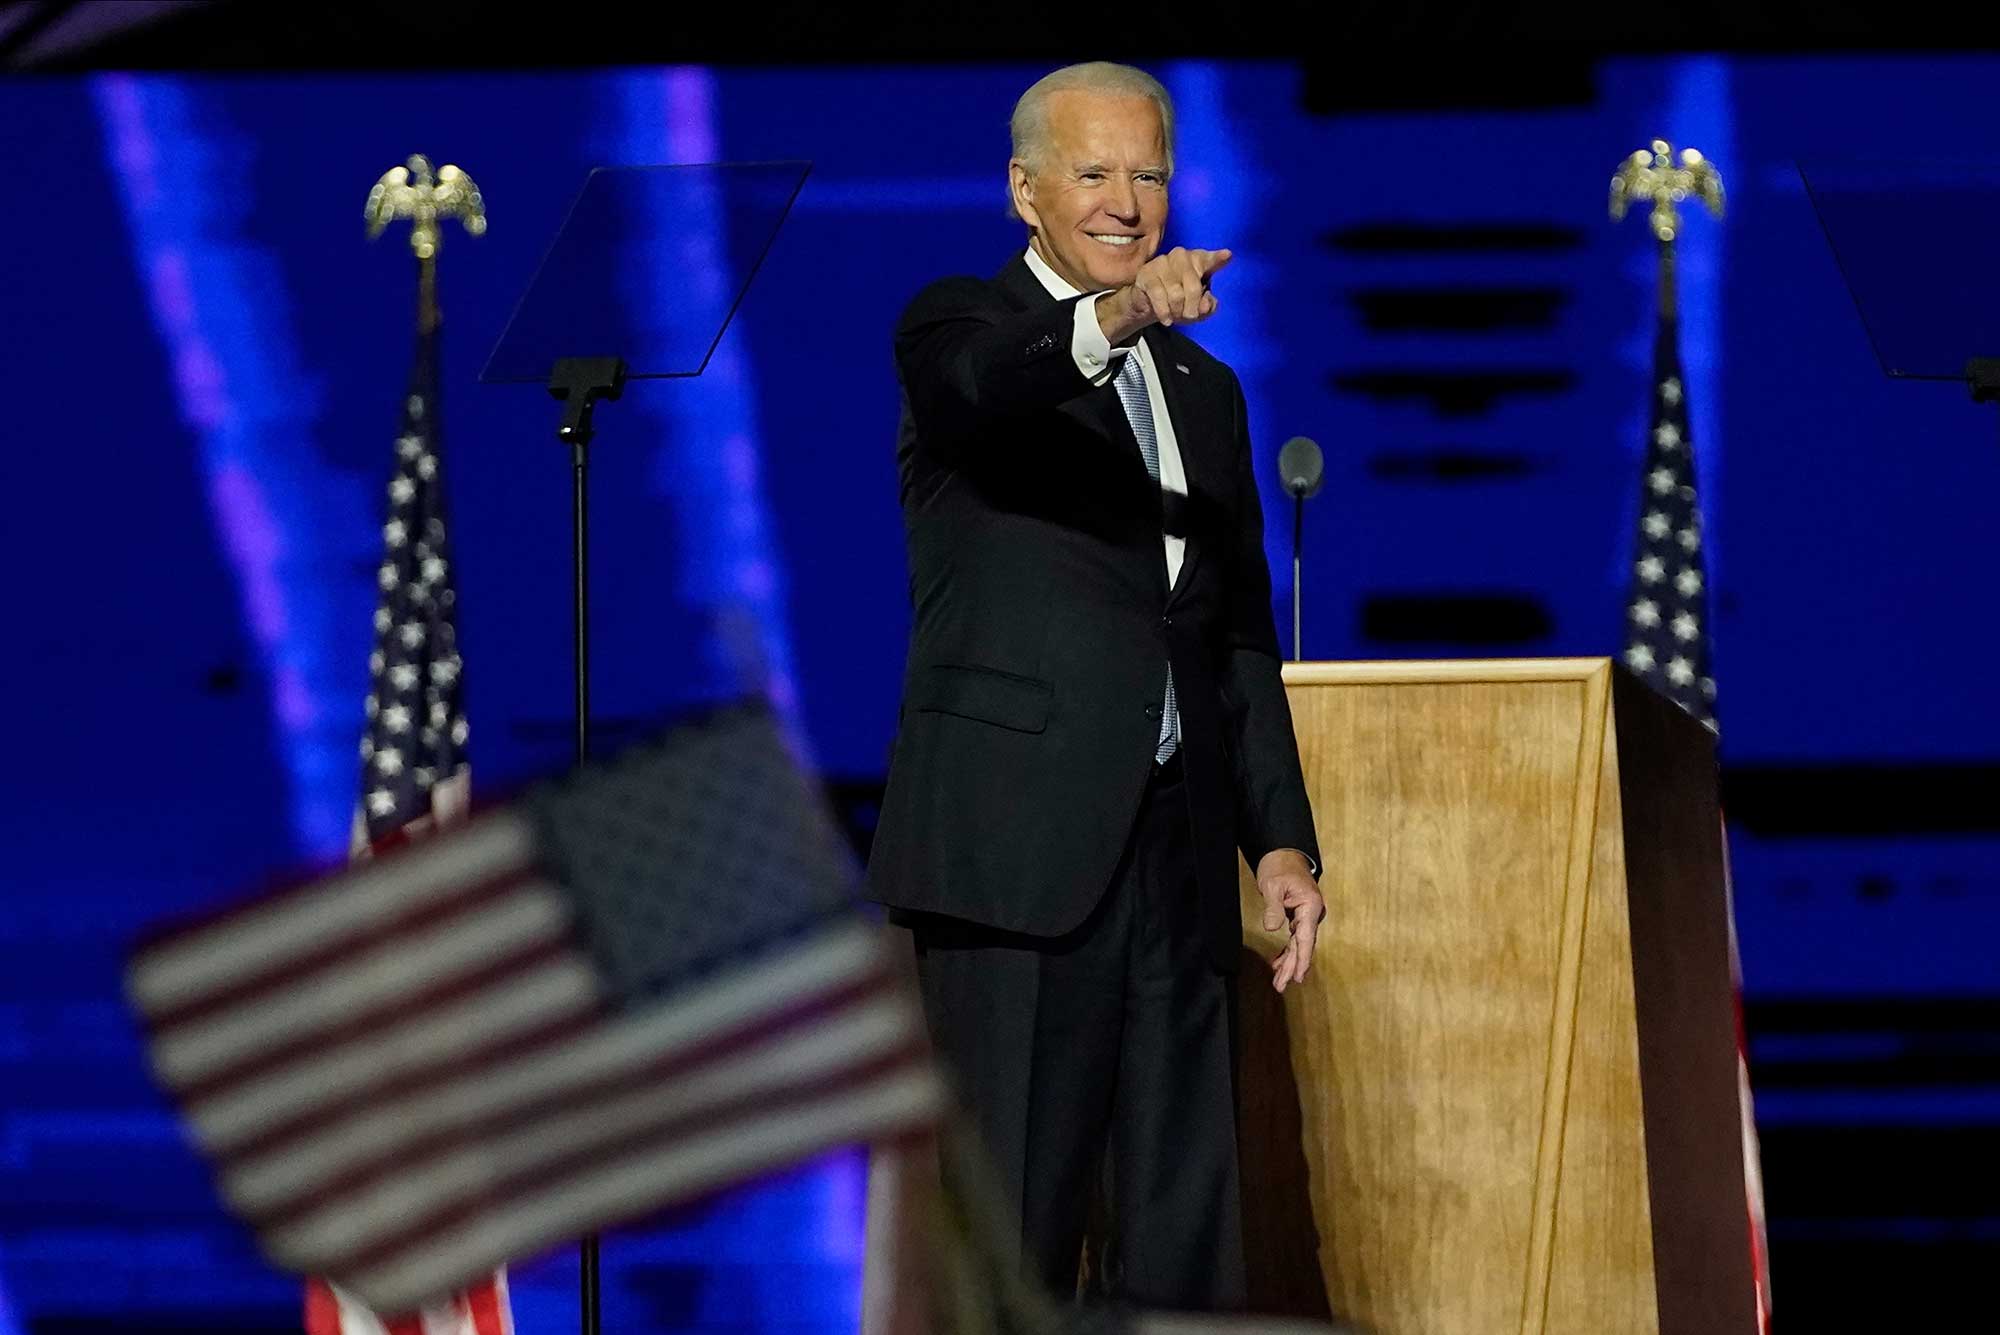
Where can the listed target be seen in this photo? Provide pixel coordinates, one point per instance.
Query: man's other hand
(1284, 880)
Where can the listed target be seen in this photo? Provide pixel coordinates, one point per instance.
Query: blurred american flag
(620, 992)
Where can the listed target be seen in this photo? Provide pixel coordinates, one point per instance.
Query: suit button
(1166, 623)
(1152, 711)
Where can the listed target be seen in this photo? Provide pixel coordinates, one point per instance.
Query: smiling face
(1098, 204)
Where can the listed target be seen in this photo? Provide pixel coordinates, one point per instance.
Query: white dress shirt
(1098, 361)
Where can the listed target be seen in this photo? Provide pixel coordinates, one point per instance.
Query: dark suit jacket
(1044, 624)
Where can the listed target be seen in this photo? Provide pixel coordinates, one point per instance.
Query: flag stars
(1667, 643)
(459, 732)
(1708, 687)
(415, 669)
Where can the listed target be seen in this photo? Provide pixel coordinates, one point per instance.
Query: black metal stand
(580, 382)
(1298, 565)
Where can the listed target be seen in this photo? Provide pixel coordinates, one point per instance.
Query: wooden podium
(1506, 1099)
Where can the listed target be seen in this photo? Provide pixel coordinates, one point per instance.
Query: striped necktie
(1131, 382)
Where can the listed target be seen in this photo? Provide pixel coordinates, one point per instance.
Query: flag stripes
(456, 1110)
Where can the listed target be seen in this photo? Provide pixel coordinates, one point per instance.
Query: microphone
(1302, 466)
(1303, 469)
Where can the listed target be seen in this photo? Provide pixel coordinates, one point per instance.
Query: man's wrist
(1114, 316)
(1285, 859)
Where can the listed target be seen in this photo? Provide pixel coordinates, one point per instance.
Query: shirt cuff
(1088, 345)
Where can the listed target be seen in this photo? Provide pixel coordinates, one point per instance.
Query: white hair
(1030, 123)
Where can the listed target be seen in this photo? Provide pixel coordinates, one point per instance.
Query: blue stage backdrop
(203, 358)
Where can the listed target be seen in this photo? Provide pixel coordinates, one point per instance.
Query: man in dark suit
(1093, 719)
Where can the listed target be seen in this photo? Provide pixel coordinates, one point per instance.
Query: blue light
(1216, 194)
(1700, 113)
(219, 304)
(708, 462)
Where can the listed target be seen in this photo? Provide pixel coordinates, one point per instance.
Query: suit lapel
(1100, 410)
(1018, 284)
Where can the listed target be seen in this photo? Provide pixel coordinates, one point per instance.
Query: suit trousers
(1102, 1061)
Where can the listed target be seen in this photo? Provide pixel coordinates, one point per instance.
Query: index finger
(1207, 262)
(1305, 931)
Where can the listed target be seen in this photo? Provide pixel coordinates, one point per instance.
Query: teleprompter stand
(597, 314)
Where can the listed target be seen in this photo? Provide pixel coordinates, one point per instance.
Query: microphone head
(1302, 467)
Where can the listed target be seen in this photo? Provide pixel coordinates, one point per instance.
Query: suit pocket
(1020, 704)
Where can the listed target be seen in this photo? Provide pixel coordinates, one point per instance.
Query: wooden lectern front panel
(1430, 1052)
(1601, 1259)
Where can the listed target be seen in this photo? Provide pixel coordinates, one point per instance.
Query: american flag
(619, 992)
(414, 775)
(1666, 640)
(413, 749)
(1667, 644)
